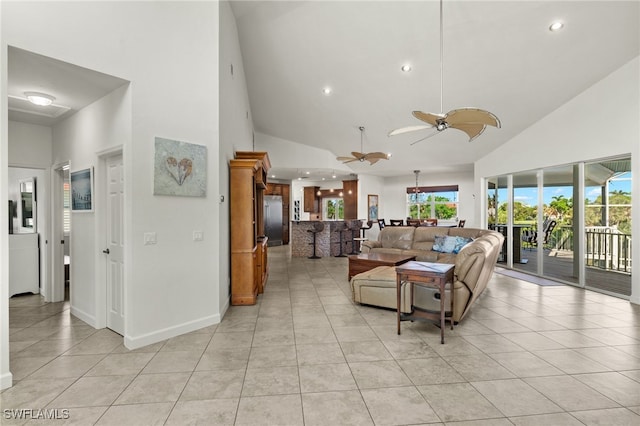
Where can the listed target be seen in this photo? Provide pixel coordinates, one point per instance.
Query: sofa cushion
(423, 256)
(399, 237)
(425, 236)
(467, 232)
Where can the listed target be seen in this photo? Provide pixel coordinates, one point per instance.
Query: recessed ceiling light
(333, 176)
(556, 26)
(273, 176)
(406, 68)
(327, 91)
(308, 173)
(41, 99)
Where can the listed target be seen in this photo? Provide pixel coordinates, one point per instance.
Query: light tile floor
(305, 354)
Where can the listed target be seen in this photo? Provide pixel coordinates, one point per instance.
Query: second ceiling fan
(371, 157)
(472, 121)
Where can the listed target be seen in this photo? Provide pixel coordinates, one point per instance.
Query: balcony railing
(605, 247)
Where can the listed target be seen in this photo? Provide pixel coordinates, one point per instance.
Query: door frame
(100, 272)
(55, 292)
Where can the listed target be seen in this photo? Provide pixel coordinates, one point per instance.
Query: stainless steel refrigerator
(273, 219)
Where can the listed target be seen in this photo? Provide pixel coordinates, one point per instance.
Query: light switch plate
(149, 238)
(198, 235)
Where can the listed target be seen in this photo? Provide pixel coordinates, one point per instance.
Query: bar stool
(317, 227)
(364, 228)
(340, 228)
(354, 227)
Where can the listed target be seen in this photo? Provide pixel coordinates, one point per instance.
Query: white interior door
(115, 244)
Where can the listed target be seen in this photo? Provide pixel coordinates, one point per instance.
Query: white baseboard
(225, 307)
(6, 380)
(167, 333)
(89, 319)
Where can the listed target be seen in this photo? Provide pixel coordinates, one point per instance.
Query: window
(333, 208)
(66, 200)
(440, 202)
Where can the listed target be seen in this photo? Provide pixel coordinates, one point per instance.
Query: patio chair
(530, 237)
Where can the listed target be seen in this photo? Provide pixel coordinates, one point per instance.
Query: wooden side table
(427, 274)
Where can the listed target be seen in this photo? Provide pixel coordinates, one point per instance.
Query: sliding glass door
(607, 213)
(570, 223)
(556, 241)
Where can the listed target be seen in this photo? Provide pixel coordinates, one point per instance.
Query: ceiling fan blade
(408, 129)
(346, 159)
(427, 137)
(373, 160)
(428, 117)
(359, 155)
(378, 155)
(472, 129)
(472, 115)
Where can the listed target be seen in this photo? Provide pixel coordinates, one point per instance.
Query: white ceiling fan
(472, 121)
(371, 157)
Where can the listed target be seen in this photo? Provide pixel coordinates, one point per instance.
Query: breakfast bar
(327, 240)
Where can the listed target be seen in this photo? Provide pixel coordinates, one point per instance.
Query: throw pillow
(443, 244)
(447, 244)
(460, 243)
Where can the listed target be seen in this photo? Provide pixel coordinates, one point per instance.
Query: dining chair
(461, 223)
(396, 222)
(381, 223)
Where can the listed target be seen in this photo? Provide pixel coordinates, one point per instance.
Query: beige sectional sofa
(474, 265)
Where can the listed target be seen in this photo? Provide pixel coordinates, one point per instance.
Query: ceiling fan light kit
(472, 121)
(371, 157)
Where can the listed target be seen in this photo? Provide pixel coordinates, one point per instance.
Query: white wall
(103, 125)
(601, 122)
(30, 145)
(289, 154)
(236, 133)
(6, 378)
(169, 53)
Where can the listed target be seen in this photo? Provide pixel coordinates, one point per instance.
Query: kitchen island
(327, 241)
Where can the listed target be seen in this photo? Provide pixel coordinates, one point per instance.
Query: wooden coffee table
(364, 262)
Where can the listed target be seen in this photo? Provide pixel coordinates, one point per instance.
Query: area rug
(526, 277)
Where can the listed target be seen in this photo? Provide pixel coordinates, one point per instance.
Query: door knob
(106, 251)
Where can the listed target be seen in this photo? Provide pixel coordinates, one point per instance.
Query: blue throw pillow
(447, 244)
(460, 243)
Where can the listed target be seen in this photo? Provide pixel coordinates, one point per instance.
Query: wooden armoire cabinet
(247, 183)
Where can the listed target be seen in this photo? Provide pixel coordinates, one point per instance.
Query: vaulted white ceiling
(498, 55)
